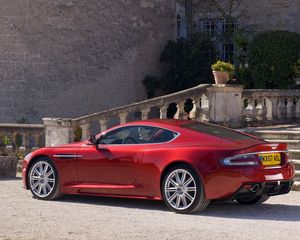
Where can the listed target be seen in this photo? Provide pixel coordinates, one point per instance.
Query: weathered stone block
(8, 166)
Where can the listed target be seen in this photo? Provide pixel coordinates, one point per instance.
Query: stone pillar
(57, 131)
(225, 104)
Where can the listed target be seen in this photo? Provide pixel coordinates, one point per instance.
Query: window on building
(181, 27)
(222, 33)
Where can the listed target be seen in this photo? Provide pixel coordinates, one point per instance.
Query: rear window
(216, 131)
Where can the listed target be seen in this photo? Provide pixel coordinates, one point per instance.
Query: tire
(253, 200)
(180, 198)
(43, 180)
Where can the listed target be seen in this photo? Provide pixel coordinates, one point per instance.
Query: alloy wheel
(180, 189)
(42, 179)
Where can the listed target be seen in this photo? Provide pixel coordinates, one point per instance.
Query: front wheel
(43, 180)
(183, 191)
(253, 200)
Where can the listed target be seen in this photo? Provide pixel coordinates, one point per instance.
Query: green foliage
(6, 140)
(78, 134)
(18, 140)
(20, 156)
(22, 121)
(223, 67)
(297, 68)
(186, 64)
(151, 84)
(272, 57)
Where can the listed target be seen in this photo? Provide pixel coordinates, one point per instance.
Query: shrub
(272, 57)
(18, 140)
(151, 84)
(186, 64)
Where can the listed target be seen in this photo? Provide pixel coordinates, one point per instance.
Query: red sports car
(185, 163)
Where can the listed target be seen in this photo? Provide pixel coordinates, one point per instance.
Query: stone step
(293, 144)
(296, 163)
(294, 154)
(274, 134)
(297, 175)
(296, 186)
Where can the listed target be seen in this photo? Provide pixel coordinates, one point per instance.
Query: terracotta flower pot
(221, 77)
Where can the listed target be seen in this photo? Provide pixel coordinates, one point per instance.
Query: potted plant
(222, 71)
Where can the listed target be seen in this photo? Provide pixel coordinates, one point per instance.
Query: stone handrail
(32, 135)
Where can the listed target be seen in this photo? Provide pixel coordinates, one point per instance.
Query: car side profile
(184, 163)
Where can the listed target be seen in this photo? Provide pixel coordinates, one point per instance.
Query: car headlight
(28, 156)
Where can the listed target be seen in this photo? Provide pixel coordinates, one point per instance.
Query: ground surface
(74, 217)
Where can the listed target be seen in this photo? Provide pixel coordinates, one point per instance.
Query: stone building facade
(250, 16)
(67, 58)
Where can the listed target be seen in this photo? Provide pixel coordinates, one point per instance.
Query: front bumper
(265, 188)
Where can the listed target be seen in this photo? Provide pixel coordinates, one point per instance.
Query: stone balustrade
(266, 106)
(30, 136)
(229, 105)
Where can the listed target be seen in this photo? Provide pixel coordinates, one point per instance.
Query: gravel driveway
(75, 217)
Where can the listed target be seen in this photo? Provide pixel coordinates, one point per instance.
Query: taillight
(241, 160)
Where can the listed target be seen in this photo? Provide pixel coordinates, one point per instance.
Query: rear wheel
(253, 200)
(183, 191)
(43, 180)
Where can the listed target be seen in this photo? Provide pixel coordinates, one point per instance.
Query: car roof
(161, 122)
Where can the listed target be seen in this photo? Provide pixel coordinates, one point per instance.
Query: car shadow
(266, 211)
(115, 202)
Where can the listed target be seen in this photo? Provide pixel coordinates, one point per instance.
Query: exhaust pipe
(254, 188)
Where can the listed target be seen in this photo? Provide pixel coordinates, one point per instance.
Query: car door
(116, 159)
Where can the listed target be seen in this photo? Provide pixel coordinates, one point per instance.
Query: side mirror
(92, 140)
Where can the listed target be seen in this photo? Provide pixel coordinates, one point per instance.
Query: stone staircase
(289, 134)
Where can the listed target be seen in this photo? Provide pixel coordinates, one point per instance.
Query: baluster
(123, 117)
(145, 113)
(103, 124)
(85, 131)
(298, 108)
(204, 109)
(163, 111)
(290, 108)
(180, 114)
(248, 110)
(260, 110)
(281, 109)
(196, 108)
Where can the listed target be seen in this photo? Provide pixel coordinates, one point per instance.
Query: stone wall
(67, 58)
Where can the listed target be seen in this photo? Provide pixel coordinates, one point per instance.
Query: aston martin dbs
(184, 163)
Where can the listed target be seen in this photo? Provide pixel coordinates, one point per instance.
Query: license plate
(270, 159)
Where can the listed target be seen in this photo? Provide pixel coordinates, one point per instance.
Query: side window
(128, 135)
(163, 135)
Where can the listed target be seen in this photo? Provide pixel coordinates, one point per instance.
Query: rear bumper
(265, 188)
(226, 182)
